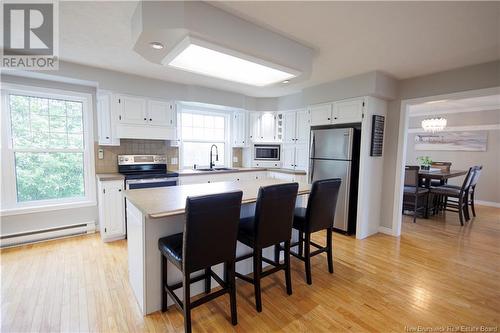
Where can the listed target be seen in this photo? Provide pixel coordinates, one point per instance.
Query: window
(47, 149)
(199, 131)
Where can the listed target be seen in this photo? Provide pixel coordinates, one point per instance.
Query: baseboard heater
(46, 234)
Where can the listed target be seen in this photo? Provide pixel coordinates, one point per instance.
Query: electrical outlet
(235, 159)
(173, 161)
(100, 153)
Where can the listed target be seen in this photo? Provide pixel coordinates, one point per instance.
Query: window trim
(228, 151)
(9, 204)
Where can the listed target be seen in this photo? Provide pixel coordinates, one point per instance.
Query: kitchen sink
(215, 169)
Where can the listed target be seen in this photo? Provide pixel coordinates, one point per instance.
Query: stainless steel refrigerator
(334, 153)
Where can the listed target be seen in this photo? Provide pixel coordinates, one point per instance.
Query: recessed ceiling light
(286, 81)
(201, 57)
(156, 45)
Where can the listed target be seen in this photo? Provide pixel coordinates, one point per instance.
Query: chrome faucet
(212, 164)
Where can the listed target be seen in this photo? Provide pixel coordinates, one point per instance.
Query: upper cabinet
(239, 126)
(341, 112)
(144, 118)
(106, 129)
(264, 127)
(296, 127)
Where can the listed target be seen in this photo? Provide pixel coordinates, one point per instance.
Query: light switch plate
(235, 159)
(173, 161)
(100, 153)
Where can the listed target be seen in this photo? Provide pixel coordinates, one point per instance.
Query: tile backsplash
(130, 147)
(238, 152)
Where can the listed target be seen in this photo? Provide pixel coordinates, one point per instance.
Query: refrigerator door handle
(311, 161)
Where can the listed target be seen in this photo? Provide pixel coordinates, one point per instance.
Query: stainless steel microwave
(266, 152)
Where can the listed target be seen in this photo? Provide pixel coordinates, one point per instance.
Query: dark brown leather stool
(319, 215)
(271, 225)
(209, 238)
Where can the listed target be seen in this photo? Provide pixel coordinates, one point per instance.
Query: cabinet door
(254, 126)
(104, 119)
(348, 111)
(320, 114)
(303, 128)
(160, 113)
(239, 126)
(267, 127)
(113, 206)
(301, 157)
(132, 110)
(289, 122)
(288, 156)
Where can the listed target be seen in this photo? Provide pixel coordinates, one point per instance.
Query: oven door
(267, 153)
(134, 184)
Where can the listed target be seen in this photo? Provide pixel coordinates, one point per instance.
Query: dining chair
(209, 238)
(318, 215)
(459, 193)
(269, 226)
(413, 192)
(472, 189)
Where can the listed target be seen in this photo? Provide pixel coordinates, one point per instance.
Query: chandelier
(434, 124)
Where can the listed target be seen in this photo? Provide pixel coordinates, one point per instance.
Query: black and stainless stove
(146, 171)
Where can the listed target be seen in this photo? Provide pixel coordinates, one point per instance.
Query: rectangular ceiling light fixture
(204, 58)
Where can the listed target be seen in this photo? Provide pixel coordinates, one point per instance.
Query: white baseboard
(37, 236)
(487, 203)
(385, 230)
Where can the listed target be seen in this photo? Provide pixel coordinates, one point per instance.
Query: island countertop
(168, 201)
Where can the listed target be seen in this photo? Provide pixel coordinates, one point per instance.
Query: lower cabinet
(238, 176)
(111, 209)
(295, 156)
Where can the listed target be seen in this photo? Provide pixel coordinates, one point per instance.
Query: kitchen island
(158, 212)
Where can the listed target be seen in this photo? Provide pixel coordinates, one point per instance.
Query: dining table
(426, 176)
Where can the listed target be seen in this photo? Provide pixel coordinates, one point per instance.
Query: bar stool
(209, 238)
(319, 215)
(271, 225)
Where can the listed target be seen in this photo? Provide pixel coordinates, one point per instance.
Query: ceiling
(402, 39)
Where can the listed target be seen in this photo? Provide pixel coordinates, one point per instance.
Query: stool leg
(301, 243)
(208, 281)
(257, 268)
(232, 292)
(288, 275)
(329, 249)
(277, 253)
(307, 257)
(186, 286)
(164, 295)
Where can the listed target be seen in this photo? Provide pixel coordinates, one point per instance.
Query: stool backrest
(211, 229)
(444, 166)
(468, 180)
(274, 213)
(322, 204)
(476, 176)
(411, 175)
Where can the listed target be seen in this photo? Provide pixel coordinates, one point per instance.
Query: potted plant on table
(425, 162)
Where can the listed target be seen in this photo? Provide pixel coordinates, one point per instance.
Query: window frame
(211, 111)
(9, 204)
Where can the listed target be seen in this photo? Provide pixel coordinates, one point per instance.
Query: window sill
(46, 208)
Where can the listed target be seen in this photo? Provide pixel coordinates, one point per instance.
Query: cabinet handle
(119, 190)
(145, 119)
(107, 137)
(329, 119)
(150, 119)
(335, 118)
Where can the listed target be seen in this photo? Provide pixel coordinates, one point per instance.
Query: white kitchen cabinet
(111, 209)
(105, 127)
(239, 126)
(263, 127)
(348, 111)
(267, 127)
(161, 113)
(340, 112)
(131, 110)
(301, 156)
(288, 156)
(320, 114)
(303, 127)
(290, 127)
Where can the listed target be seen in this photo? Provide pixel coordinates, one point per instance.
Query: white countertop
(190, 172)
(169, 201)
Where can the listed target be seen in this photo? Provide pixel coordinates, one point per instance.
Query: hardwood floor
(437, 274)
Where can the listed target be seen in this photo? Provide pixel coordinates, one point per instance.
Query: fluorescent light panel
(206, 61)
